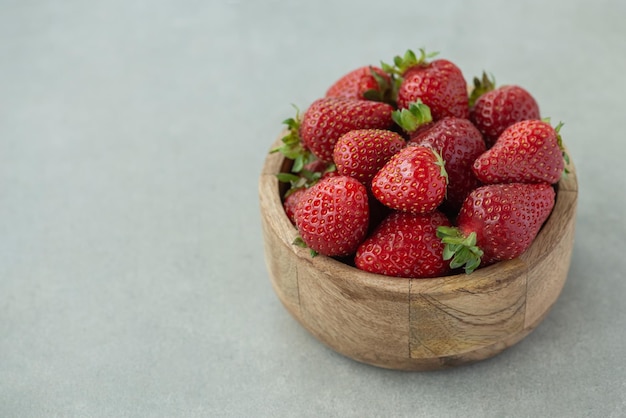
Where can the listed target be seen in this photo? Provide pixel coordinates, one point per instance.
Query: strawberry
(496, 222)
(333, 216)
(361, 153)
(439, 84)
(529, 151)
(405, 245)
(291, 202)
(413, 180)
(328, 118)
(459, 143)
(307, 177)
(364, 83)
(495, 109)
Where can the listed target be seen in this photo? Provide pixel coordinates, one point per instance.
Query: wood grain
(416, 324)
(467, 312)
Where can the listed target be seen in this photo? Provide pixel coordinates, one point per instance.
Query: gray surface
(132, 280)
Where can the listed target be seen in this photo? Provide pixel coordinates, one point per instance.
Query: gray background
(132, 133)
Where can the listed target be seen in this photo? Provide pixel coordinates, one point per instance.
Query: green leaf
(409, 60)
(415, 116)
(472, 265)
(559, 140)
(389, 69)
(298, 163)
(299, 242)
(292, 147)
(448, 252)
(470, 241)
(287, 177)
(461, 250)
(383, 92)
(373, 95)
(442, 166)
(291, 123)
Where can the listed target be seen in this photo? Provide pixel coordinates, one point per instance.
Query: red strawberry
(365, 83)
(439, 83)
(291, 202)
(333, 216)
(405, 245)
(497, 222)
(459, 143)
(495, 109)
(361, 153)
(329, 118)
(527, 152)
(413, 180)
(307, 177)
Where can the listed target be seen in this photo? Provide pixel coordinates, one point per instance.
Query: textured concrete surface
(132, 280)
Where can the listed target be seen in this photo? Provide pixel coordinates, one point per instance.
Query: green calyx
(442, 165)
(461, 250)
(400, 66)
(384, 91)
(481, 86)
(409, 60)
(418, 114)
(292, 146)
(303, 179)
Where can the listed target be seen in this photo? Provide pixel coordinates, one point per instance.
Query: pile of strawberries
(400, 171)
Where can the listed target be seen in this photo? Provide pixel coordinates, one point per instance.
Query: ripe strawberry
(459, 143)
(529, 151)
(495, 109)
(291, 202)
(413, 180)
(361, 153)
(405, 245)
(365, 83)
(496, 222)
(307, 177)
(333, 216)
(329, 118)
(439, 83)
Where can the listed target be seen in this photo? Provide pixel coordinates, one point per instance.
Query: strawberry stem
(461, 250)
(481, 86)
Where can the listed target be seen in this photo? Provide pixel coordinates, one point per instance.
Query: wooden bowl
(416, 324)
